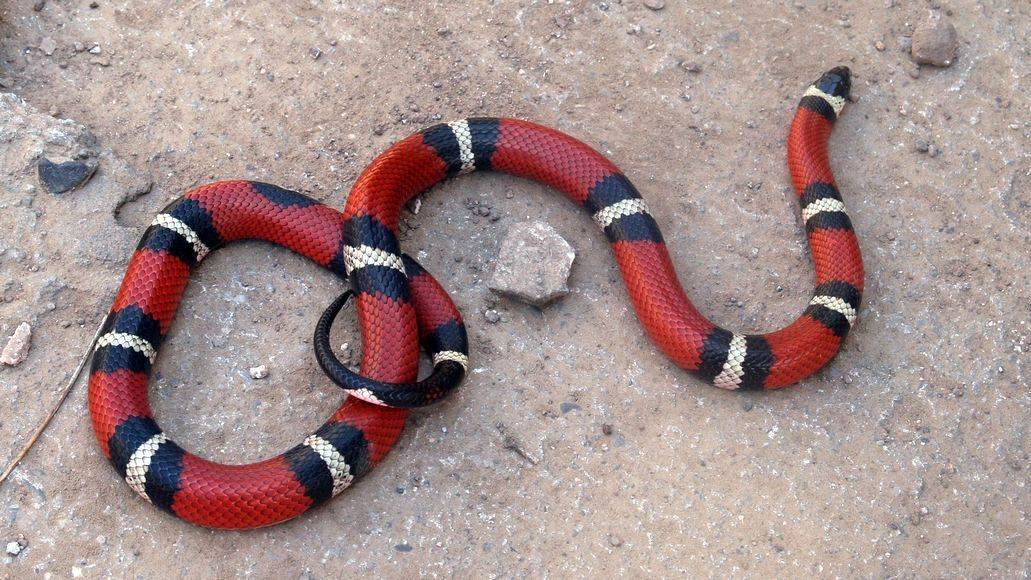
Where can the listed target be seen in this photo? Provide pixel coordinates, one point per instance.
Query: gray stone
(934, 41)
(655, 4)
(63, 177)
(47, 45)
(533, 264)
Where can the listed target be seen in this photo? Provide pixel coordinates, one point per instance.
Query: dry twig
(53, 411)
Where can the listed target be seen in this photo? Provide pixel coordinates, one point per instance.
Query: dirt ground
(907, 456)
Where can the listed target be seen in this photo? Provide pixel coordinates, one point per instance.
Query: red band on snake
(399, 304)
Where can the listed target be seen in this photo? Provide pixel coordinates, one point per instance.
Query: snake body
(400, 305)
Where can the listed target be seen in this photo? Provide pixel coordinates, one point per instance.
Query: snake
(400, 306)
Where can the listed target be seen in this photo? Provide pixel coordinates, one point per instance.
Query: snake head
(836, 82)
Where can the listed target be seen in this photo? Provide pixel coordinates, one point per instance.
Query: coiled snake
(400, 305)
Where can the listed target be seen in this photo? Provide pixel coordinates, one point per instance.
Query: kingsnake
(399, 304)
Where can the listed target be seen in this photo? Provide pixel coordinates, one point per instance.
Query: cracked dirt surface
(907, 456)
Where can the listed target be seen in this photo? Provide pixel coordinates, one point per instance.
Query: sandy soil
(908, 456)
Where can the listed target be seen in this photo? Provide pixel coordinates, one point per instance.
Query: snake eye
(836, 82)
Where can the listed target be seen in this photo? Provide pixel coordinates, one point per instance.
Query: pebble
(615, 541)
(533, 265)
(691, 67)
(879, 46)
(17, 349)
(47, 45)
(905, 43)
(934, 41)
(60, 178)
(315, 53)
(259, 372)
(38, 6)
(492, 316)
(655, 4)
(924, 146)
(14, 548)
(606, 429)
(95, 49)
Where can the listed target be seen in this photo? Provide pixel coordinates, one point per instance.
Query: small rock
(403, 547)
(95, 49)
(17, 349)
(38, 6)
(94, 5)
(934, 41)
(15, 548)
(567, 407)
(879, 46)
(492, 316)
(691, 67)
(655, 4)
(534, 264)
(47, 45)
(615, 541)
(259, 372)
(606, 429)
(925, 146)
(905, 43)
(60, 178)
(315, 53)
